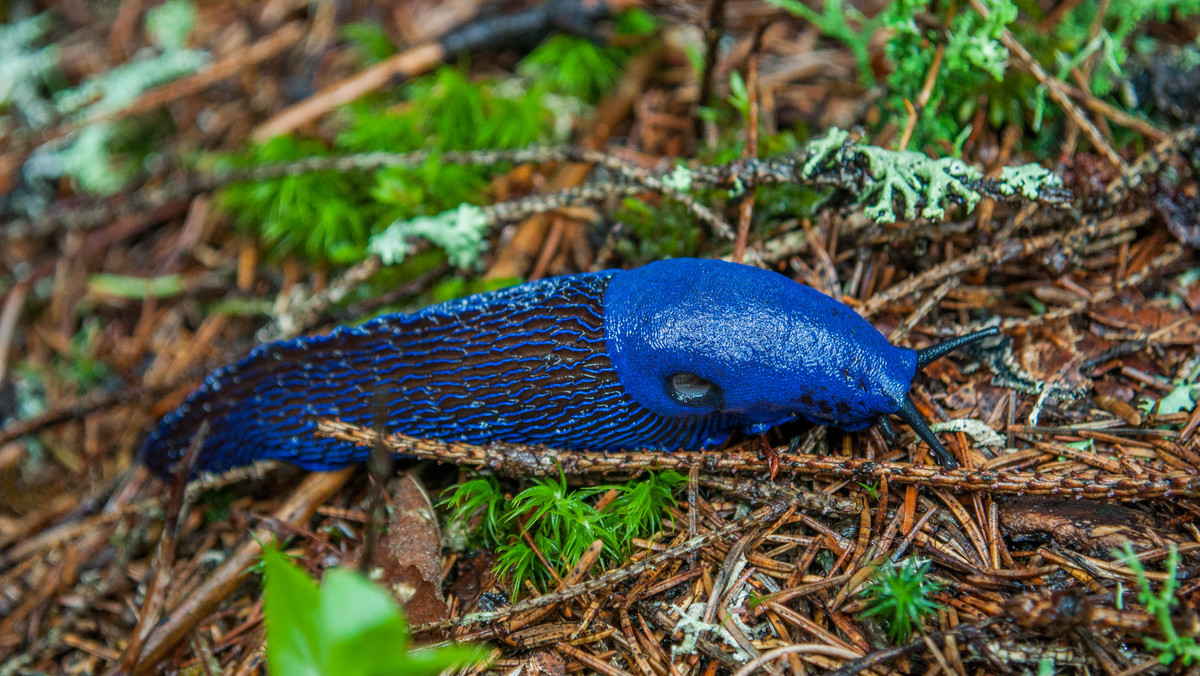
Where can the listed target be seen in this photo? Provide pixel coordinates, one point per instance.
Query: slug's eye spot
(690, 389)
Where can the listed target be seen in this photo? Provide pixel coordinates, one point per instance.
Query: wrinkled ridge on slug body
(673, 355)
(525, 364)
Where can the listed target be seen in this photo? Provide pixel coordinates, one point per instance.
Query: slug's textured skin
(578, 362)
(526, 364)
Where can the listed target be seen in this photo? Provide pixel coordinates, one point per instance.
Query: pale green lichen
(1028, 180)
(1038, 404)
(692, 626)
(679, 179)
(823, 149)
(26, 68)
(917, 180)
(738, 189)
(459, 231)
(976, 429)
(122, 85)
(85, 156)
(170, 24)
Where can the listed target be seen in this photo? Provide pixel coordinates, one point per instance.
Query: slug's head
(694, 337)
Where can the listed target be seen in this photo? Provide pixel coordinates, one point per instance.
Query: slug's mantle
(772, 348)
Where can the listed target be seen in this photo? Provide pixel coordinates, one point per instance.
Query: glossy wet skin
(768, 348)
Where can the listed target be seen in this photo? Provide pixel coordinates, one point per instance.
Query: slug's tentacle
(929, 354)
(885, 428)
(908, 413)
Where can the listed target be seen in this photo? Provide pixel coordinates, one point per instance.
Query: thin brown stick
(408, 62)
(517, 460)
(156, 591)
(515, 259)
(750, 152)
(918, 109)
(1001, 252)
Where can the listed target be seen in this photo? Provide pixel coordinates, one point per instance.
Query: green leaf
(349, 627)
(1178, 400)
(124, 286)
(361, 625)
(290, 603)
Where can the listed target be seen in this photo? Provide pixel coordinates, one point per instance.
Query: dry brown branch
(517, 460)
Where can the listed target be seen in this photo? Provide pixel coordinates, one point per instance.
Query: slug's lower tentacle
(885, 428)
(908, 413)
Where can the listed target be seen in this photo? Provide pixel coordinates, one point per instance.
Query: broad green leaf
(362, 626)
(1182, 398)
(290, 603)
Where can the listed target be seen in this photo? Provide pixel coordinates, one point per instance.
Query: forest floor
(1066, 542)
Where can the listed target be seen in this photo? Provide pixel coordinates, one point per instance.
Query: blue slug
(673, 355)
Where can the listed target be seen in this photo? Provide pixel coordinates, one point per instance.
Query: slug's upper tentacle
(933, 352)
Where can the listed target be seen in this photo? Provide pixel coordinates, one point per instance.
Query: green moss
(572, 66)
(1159, 605)
(975, 70)
(562, 522)
(331, 216)
(320, 215)
(899, 596)
(841, 22)
(655, 232)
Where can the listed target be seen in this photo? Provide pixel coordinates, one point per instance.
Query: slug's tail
(908, 411)
(261, 407)
(525, 364)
